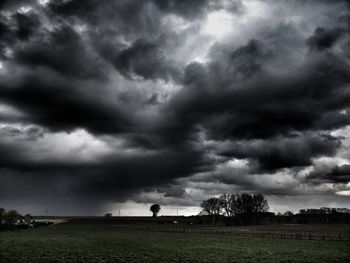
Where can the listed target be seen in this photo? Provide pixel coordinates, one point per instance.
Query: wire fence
(338, 236)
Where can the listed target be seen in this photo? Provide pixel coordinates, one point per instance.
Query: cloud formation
(115, 101)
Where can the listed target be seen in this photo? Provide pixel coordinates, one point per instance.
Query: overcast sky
(113, 105)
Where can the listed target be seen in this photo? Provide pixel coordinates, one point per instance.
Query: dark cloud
(56, 51)
(13, 4)
(141, 171)
(324, 38)
(186, 8)
(266, 106)
(330, 174)
(27, 25)
(168, 101)
(286, 152)
(126, 17)
(174, 192)
(7, 36)
(74, 7)
(247, 61)
(60, 105)
(114, 178)
(145, 60)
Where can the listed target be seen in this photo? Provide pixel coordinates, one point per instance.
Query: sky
(110, 106)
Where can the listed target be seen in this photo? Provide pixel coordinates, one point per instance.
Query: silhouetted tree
(288, 213)
(228, 203)
(260, 204)
(212, 206)
(245, 207)
(155, 208)
(242, 208)
(248, 203)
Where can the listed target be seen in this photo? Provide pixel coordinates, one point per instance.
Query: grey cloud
(59, 105)
(266, 106)
(13, 4)
(146, 60)
(121, 71)
(324, 38)
(56, 51)
(330, 174)
(286, 152)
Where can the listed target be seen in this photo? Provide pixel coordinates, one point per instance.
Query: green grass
(113, 243)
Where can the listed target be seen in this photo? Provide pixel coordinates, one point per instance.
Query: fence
(268, 234)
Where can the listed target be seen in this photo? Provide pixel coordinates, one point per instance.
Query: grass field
(70, 242)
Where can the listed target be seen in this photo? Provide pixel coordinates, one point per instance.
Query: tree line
(242, 208)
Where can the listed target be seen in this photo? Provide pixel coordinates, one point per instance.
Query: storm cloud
(130, 101)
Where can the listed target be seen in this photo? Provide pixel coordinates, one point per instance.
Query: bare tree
(155, 208)
(245, 207)
(212, 206)
(228, 204)
(260, 203)
(244, 204)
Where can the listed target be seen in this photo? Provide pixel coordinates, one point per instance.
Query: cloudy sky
(113, 105)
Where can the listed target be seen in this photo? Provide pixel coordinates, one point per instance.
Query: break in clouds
(109, 104)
